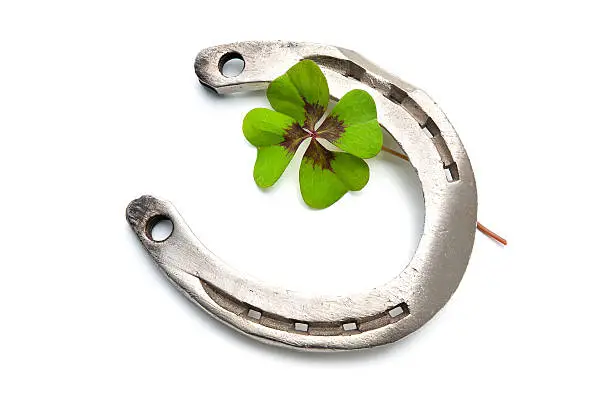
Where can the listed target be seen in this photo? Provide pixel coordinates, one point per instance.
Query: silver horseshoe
(381, 315)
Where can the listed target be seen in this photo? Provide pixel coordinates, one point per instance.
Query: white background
(99, 104)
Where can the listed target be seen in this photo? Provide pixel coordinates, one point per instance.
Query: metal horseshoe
(381, 315)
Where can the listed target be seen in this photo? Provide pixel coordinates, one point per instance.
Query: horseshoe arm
(381, 315)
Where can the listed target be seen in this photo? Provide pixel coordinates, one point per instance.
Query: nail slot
(301, 327)
(254, 314)
(349, 326)
(396, 311)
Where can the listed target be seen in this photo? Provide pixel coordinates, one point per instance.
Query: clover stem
(479, 226)
(491, 234)
(396, 154)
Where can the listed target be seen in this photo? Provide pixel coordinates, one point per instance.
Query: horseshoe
(381, 315)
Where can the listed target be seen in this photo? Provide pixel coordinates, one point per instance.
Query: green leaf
(301, 93)
(277, 137)
(270, 164)
(310, 81)
(326, 176)
(355, 107)
(353, 171)
(264, 127)
(352, 125)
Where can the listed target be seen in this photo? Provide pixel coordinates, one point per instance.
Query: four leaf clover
(300, 99)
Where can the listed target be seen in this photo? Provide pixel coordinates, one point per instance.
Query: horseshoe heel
(381, 315)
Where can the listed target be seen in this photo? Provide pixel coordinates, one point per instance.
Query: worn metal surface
(381, 315)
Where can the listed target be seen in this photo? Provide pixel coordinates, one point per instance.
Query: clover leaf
(300, 98)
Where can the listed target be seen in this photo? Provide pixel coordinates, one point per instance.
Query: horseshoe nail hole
(428, 132)
(159, 228)
(231, 64)
(396, 311)
(349, 326)
(452, 172)
(254, 314)
(449, 176)
(301, 327)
